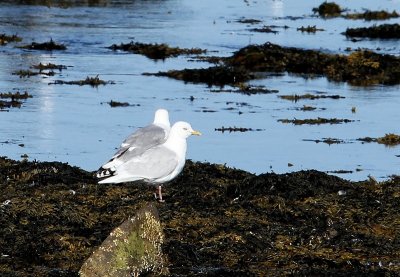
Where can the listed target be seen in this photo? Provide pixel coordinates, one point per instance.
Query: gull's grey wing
(141, 140)
(156, 163)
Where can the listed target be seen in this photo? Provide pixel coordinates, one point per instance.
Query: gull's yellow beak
(196, 133)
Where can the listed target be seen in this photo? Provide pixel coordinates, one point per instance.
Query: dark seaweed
(217, 221)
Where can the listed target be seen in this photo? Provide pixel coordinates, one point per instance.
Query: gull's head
(161, 118)
(183, 129)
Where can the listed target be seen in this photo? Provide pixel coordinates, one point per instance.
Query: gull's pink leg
(158, 194)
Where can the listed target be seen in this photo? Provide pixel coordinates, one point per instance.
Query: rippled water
(74, 124)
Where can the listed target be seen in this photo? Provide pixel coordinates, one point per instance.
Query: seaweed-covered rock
(131, 249)
(254, 61)
(384, 31)
(358, 68)
(328, 9)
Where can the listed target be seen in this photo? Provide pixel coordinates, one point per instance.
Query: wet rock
(384, 31)
(46, 46)
(315, 121)
(217, 221)
(155, 51)
(133, 248)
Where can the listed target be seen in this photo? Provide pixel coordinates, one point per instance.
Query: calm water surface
(74, 124)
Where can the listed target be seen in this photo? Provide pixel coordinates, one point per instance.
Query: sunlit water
(74, 124)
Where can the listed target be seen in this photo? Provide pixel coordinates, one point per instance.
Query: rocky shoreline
(217, 221)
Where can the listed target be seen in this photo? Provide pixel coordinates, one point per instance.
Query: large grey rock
(131, 249)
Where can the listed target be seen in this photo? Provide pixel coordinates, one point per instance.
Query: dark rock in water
(131, 249)
(217, 221)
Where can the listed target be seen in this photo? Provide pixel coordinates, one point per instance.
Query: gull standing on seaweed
(138, 142)
(159, 164)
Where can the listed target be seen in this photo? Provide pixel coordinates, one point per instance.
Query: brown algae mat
(217, 221)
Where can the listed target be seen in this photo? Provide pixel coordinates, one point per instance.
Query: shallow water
(74, 124)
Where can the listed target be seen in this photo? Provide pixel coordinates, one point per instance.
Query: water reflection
(277, 7)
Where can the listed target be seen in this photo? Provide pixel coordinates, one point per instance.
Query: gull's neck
(176, 143)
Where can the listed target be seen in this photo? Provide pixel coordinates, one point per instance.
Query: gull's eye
(184, 128)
